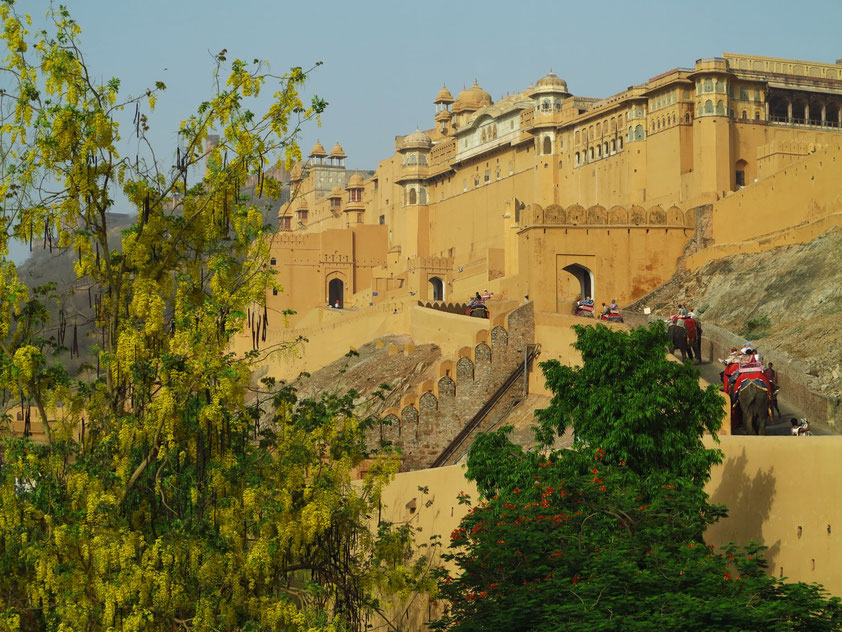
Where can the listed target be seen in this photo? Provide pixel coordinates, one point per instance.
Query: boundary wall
(762, 480)
(427, 420)
(793, 206)
(336, 331)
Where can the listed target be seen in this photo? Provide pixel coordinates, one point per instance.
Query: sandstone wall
(428, 420)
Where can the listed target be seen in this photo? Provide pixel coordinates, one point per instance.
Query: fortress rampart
(428, 419)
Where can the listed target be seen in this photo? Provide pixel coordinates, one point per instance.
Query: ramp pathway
(781, 426)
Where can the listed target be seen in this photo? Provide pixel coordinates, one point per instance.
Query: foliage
(172, 492)
(755, 328)
(634, 403)
(607, 536)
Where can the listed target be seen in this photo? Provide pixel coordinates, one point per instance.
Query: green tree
(173, 492)
(634, 403)
(608, 536)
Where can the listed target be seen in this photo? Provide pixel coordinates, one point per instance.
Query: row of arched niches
(597, 215)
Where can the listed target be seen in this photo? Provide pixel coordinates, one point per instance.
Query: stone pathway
(781, 426)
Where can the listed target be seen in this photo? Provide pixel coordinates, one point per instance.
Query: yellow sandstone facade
(551, 195)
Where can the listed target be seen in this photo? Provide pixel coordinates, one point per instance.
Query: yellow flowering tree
(172, 492)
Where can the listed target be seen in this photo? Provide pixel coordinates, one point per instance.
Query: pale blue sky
(385, 61)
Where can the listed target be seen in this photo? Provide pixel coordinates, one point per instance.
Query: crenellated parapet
(432, 264)
(425, 421)
(598, 215)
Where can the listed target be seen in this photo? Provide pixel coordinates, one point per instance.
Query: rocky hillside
(788, 299)
(374, 364)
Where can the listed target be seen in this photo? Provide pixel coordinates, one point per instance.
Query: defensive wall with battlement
(427, 420)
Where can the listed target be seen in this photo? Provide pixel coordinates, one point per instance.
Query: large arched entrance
(438, 288)
(336, 293)
(574, 281)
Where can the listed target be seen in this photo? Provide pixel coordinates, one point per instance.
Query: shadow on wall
(749, 500)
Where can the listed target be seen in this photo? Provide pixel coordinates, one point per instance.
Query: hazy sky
(385, 61)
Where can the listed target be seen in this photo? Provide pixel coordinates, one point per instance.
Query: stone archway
(740, 175)
(437, 288)
(572, 281)
(336, 292)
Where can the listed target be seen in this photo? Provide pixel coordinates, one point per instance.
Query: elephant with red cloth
(751, 396)
(683, 335)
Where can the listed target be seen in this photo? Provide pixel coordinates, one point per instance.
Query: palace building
(548, 194)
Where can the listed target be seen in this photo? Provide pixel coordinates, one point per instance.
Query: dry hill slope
(789, 298)
(373, 365)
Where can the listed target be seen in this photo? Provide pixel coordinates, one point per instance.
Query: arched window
(740, 173)
(498, 173)
(687, 117)
(273, 261)
(590, 153)
(438, 288)
(708, 107)
(487, 176)
(614, 146)
(422, 195)
(577, 137)
(578, 159)
(336, 293)
(476, 181)
(720, 107)
(757, 116)
(638, 132)
(708, 85)
(605, 149)
(744, 114)
(413, 196)
(548, 145)
(620, 143)
(598, 151)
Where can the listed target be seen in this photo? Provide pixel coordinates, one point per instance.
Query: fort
(548, 195)
(539, 198)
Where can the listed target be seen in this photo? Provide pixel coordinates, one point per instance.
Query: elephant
(753, 404)
(678, 340)
(478, 311)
